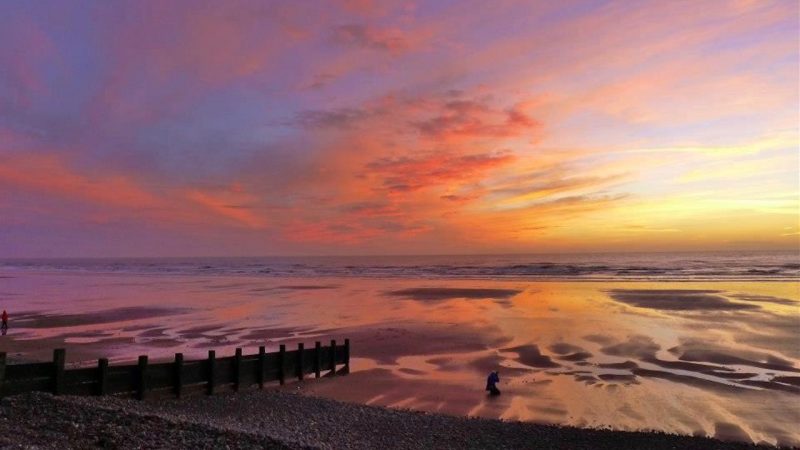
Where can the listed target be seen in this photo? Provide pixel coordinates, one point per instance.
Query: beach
(703, 357)
(285, 419)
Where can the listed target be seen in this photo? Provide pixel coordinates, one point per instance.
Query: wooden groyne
(238, 371)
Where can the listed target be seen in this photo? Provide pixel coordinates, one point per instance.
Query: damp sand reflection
(713, 358)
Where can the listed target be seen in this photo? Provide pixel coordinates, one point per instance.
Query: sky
(151, 128)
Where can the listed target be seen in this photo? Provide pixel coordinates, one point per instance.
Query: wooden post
(141, 382)
(2, 373)
(59, 359)
(102, 376)
(333, 357)
(262, 362)
(347, 356)
(317, 358)
(300, 361)
(237, 370)
(178, 374)
(281, 365)
(212, 357)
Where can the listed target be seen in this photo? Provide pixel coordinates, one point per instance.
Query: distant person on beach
(491, 383)
(4, 326)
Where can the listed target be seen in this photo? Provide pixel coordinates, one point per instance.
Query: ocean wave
(756, 266)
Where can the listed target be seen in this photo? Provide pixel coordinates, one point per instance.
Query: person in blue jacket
(491, 383)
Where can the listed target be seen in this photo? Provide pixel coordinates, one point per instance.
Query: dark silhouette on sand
(491, 383)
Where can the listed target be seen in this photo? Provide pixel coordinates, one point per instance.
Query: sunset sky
(358, 127)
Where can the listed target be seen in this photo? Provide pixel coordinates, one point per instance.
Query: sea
(691, 343)
(750, 266)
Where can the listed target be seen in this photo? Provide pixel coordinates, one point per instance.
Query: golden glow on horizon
(404, 130)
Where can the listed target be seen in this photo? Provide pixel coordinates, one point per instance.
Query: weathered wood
(2, 373)
(160, 376)
(299, 365)
(141, 378)
(347, 355)
(178, 375)
(30, 370)
(237, 370)
(122, 379)
(249, 375)
(59, 359)
(84, 375)
(272, 364)
(282, 364)
(102, 376)
(341, 357)
(333, 358)
(29, 385)
(317, 358)
(262, 366)
(290, 364)
(195, 372)
(224, 368)
(212, 356)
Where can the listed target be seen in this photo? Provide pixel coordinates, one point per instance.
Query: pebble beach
(286, 418)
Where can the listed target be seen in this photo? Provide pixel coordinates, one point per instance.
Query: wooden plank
(317, 359)
(80, 376)
(347, 355)
(309, 357)
(30, 385)
(121, 379)
(341, 354)
(282, 364)
(332, 367)
(224, 368)
(127, 370)
(299, 361)
(102, 376)
(290, 363)
(2, 373)
(272, 367)
(160, 376)
(195, 372)
(211, 371)
(141, 378)
(59, 359)
(325, 357)
(30, 370)
(178, 374)
(237, 370)
(249, 374)
(262, 366)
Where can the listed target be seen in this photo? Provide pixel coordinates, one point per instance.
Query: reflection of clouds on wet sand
(435, 294)
(45, 320)
(439, 294)
(677, 299)
(709, 364)
(530, 355)
(700, 359)
(386, 344)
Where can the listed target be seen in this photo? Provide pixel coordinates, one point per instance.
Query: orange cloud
(49, 174)
(460, 119)
(410, 174)
(232, 204)
(390, 40)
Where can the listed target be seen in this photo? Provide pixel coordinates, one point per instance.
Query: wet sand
(710, 359)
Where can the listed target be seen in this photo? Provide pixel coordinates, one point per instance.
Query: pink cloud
(410, 174)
